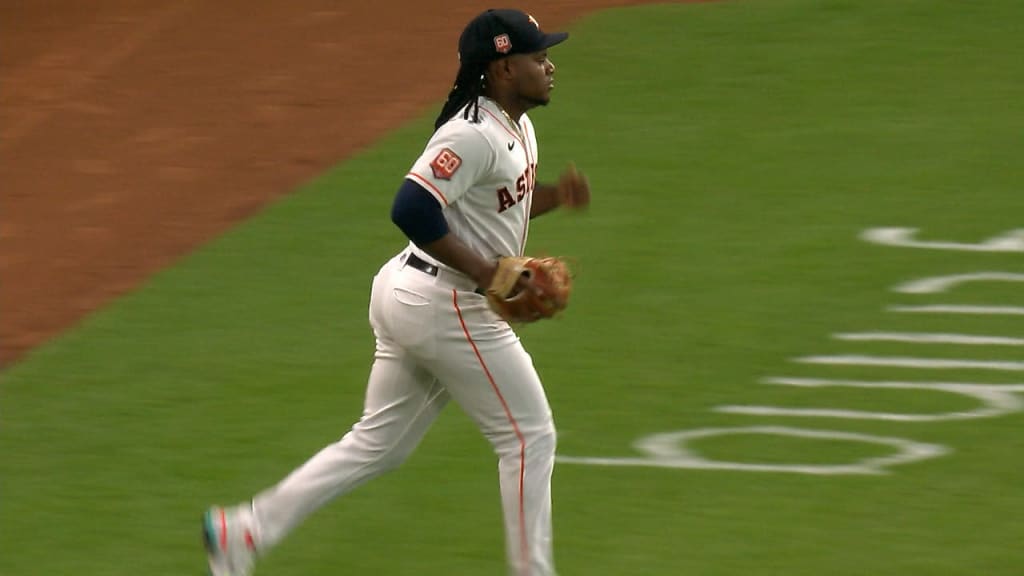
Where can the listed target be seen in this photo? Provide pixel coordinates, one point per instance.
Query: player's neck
(513, 106)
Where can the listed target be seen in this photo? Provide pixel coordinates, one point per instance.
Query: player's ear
(501, 68)
(514, 63)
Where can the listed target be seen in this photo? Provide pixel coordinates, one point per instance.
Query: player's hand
(573, 189)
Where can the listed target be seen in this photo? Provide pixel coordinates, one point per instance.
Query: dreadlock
(469, 86)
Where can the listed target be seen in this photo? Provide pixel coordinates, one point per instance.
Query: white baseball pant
(436, 339)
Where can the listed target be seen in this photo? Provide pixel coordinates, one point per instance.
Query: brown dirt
(132, 132)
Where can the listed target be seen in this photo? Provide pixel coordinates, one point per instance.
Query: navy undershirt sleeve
(418, 214)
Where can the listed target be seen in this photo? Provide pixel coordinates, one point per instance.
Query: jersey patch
(445, 164)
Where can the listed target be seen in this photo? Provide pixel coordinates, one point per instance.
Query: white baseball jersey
(483, 174)
(437, 340)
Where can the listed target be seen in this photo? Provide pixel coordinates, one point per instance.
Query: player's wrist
(484, 273)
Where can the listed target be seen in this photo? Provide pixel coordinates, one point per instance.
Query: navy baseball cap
(498, 33)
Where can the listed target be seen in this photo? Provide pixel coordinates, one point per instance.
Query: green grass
(736, 151)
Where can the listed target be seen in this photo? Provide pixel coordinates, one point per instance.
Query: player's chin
(542, 100)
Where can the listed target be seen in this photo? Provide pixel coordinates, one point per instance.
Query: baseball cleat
(230, 547)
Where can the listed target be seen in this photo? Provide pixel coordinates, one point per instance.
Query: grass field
(737, 152)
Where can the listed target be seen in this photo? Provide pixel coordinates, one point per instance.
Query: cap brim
(554, 38)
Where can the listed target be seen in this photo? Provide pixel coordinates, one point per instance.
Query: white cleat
(230, 545)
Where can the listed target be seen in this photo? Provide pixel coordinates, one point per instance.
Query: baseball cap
(497, 33)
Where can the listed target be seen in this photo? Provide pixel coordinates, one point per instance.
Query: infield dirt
(134, 132)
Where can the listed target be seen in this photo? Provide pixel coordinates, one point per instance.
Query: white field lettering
(994, 400)
(674, 449)
(1012, 241)
(929, 338)
(959, 309)
(670, 450)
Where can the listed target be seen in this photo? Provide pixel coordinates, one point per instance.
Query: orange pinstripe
(523, 548)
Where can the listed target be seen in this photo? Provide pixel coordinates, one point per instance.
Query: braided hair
(469, 86)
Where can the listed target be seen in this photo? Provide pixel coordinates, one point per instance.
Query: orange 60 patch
(445, 164)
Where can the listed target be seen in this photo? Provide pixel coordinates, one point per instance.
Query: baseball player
(465, 205)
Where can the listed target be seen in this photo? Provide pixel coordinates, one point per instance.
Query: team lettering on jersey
(524, 186)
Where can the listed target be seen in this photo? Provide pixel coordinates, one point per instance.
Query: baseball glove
(544, 294)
